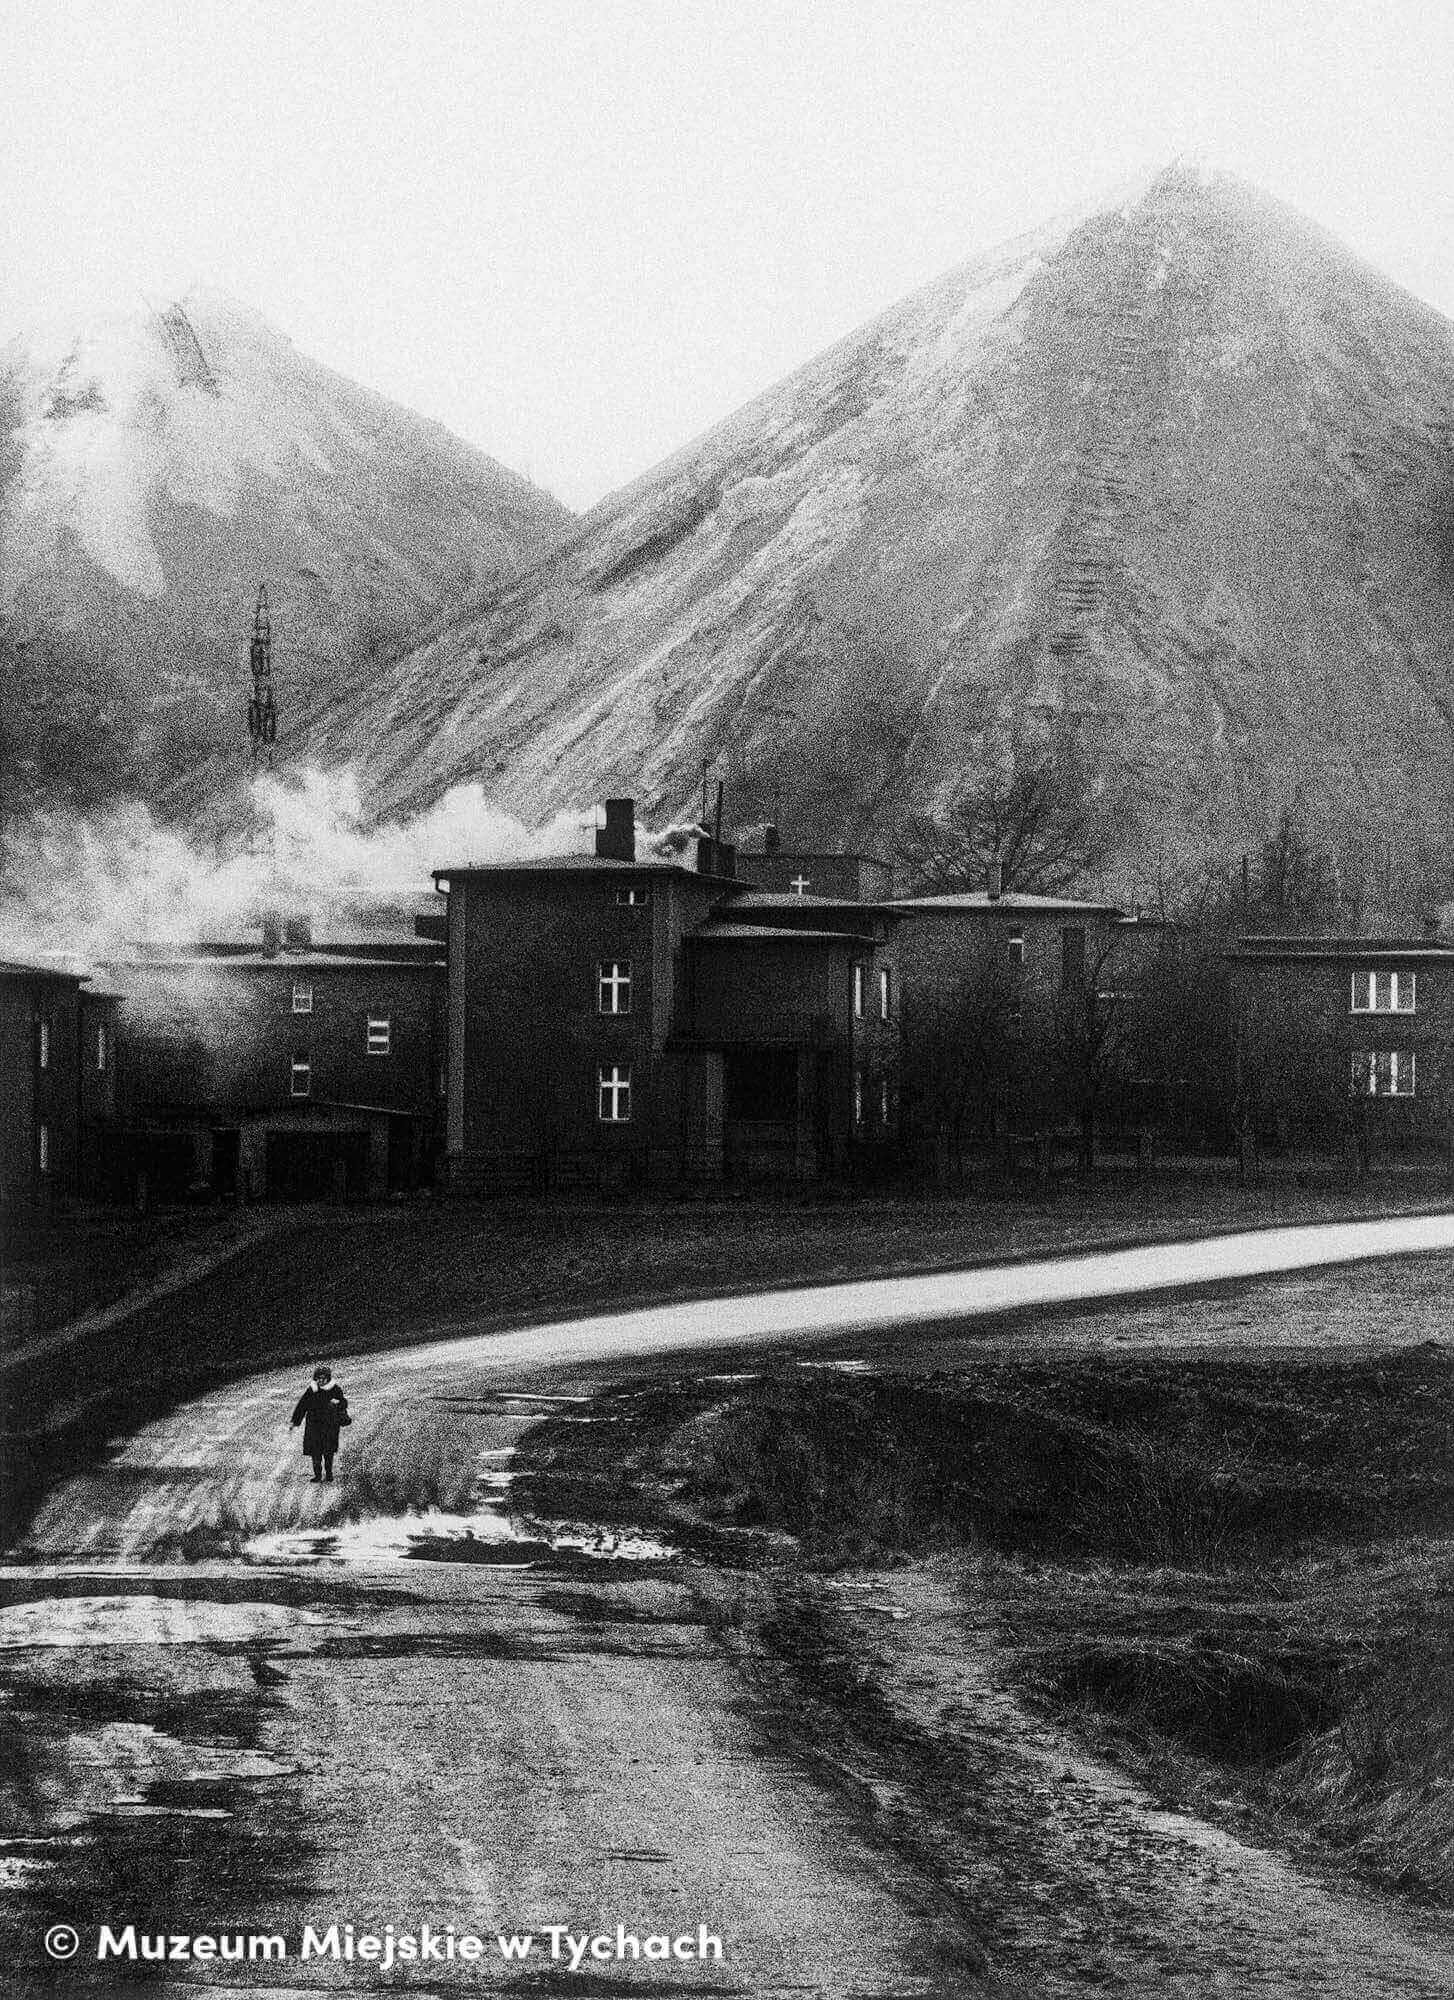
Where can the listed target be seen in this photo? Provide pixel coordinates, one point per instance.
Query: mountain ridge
(1177, 468)
(155, 466)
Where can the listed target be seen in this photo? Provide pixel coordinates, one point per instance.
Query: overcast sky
(579, 231)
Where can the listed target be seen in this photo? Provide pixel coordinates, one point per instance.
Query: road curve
(486, 1746)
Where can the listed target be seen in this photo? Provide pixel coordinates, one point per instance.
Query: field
(1229, 1577)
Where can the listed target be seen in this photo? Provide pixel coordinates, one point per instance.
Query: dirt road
(517, 1732)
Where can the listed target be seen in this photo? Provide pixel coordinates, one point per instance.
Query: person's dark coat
(322, 1413)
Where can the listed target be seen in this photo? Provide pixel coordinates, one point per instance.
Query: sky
(578, 232)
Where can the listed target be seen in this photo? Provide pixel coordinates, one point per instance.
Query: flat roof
(1340, 953)
(578, 864)
(729, 933)
(293, 961)
(20, 968)
(980, 899)
(788, 899)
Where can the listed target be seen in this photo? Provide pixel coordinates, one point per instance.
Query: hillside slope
(154, 468)
(1181, 469)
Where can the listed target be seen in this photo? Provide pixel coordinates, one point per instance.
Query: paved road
(512, 1741)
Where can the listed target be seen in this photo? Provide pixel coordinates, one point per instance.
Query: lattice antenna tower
(262, 713)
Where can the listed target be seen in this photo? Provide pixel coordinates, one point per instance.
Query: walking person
(322, 1411)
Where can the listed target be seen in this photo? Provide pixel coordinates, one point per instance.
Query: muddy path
(1079, 1880)
(242, 1700)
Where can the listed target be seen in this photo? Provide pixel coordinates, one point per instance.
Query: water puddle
(491, 1532)
(141, 1620)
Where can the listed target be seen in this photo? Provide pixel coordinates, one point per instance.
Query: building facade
(1345, 1039)
(626, 1017)
(58, 1088)
(287, 1069)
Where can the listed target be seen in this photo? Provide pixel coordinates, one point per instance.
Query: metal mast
(262, 715)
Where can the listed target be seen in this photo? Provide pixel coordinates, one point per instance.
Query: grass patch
(1213, 1567)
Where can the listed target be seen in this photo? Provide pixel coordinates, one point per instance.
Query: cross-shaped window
(800, 885)
(613, 986)
(613, 1094)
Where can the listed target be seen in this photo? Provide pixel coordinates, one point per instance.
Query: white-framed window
(302, 1074)
(613, 986)
(885, 993)
(801, 884)
(635, 898)
(1383, 1072)
(379, 1040)
(858, 1099)
(102, 1049)
(860, 982)
(1015, 945)
(43, 1147)
(42, 1042)
(613, 1093)
(1384, 992)
(302, 996)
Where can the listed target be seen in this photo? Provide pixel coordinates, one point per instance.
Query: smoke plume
(81, 891)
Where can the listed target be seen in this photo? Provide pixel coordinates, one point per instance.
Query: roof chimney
(995, 880)
(616, 840)
(297, 934)
(272, 933)
(771, 840)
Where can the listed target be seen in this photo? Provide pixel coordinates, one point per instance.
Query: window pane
(613, 986)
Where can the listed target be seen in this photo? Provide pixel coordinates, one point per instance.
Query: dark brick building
(1341, 1037)
(638, 1017)
(58, 1101)
(291, 1067)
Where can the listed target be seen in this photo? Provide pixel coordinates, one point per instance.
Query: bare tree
(1032, 808)
(1092, 1044)
(961, 1058)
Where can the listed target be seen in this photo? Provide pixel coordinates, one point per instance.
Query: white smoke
(81, 891)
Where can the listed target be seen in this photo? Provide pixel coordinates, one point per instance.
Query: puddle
(487, 1536)
(141, 1620)
(491, 1532)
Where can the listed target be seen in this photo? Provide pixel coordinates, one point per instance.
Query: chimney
(272, 933)
(616, 840)
(298, 934)
(771, 840)
(995, 880)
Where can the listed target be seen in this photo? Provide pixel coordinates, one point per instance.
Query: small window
(42, 1043)
(613, 1094)
(1384, 993)
(613, 986)
(885, 993)
(858, 1098)
(302, 1076)
(1016, 947)
(43, 1148)
(380, 1035)
(801, 884)
(633, 899)
(102, 1052)
(302, 996)
(1383, 1073)
(859, 983)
